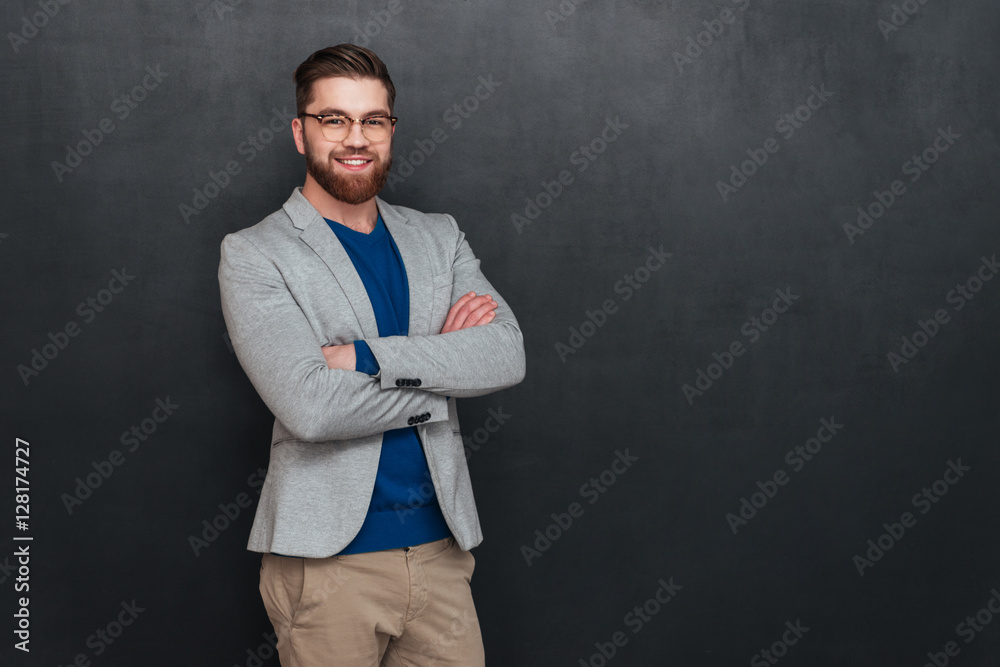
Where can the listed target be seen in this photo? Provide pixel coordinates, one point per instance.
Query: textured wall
(752, 245)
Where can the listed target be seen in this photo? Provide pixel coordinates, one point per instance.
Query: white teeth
(354, 163)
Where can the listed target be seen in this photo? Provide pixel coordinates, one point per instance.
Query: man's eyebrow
(330, 111)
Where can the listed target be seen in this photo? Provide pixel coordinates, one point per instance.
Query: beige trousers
(407, 607)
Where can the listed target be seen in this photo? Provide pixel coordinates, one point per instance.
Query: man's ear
(297, 133)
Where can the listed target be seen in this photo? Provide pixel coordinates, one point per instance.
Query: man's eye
(333, 120)
(376, 122)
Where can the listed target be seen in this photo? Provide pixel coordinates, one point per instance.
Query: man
(359, 324)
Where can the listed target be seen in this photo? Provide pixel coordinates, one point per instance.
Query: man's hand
(470, 311)
(340, 356)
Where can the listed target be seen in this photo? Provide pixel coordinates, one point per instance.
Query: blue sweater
(404, 510)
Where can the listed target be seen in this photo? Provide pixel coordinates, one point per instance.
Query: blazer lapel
(416, 263)
(318, 236)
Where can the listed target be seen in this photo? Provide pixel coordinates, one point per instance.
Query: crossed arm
(469, 311)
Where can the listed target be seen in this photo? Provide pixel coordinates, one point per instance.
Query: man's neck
(359, 217)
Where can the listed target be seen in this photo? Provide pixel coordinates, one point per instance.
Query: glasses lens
(335, 128)
(376, 128)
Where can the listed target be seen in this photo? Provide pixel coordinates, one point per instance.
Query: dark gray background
(228, 65)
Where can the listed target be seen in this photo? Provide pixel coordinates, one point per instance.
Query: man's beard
(349, 188)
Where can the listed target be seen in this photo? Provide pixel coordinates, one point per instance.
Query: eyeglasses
(336, 128)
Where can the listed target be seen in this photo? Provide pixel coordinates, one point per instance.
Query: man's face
(352, 170)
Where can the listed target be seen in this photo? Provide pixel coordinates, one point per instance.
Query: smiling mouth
(353, 162)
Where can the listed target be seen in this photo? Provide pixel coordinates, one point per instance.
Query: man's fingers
(482, 315)
(471, 307)
(449, 323)
(476, 315)
(459, 314)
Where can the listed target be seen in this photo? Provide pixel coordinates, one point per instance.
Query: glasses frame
(319, 118)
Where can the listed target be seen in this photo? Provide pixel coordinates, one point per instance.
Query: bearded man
(359, 323)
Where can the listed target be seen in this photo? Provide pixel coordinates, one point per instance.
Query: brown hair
(349, 60)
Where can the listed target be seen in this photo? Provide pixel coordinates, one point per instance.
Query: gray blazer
(288, 288)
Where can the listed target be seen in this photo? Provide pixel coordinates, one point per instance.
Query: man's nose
(356, 137)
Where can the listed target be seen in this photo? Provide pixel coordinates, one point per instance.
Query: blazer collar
(412, 249)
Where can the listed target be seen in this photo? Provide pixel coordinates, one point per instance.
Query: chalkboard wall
(752, 245)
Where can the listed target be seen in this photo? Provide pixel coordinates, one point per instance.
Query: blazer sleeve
(471, 362)
(283, 358)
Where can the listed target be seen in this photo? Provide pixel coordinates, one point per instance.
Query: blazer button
(399, 383)
(416, 383)
(409, 422)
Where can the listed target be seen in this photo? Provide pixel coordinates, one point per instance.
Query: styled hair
(347, 60)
